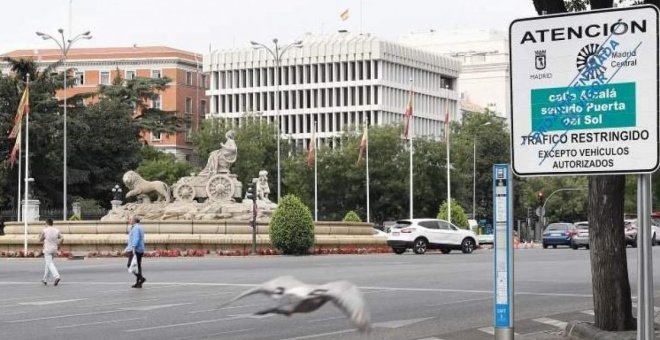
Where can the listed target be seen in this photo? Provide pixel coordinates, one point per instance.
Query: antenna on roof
(134, 45)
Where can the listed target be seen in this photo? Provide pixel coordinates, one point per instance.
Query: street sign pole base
(504, 333)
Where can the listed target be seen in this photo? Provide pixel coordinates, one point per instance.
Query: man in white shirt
(51, 237)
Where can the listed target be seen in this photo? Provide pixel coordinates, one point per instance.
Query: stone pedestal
(32, 213)
(115, 204)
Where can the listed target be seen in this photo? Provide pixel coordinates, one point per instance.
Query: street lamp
(277, 54)
(474, 171)
(64, 47)
(116, 193)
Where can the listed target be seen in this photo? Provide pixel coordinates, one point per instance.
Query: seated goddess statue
(221, 160)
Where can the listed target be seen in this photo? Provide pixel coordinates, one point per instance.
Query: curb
(580, 330)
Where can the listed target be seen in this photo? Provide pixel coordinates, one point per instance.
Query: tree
(162, 166)
(458, 216)
(352, 216)
(611, 288)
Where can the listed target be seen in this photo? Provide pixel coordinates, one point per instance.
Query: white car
(426, 233)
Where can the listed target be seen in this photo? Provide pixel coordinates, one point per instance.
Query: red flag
(363, 144)
(23, 108)
(16, 148)
(311, 150)
(408, 115)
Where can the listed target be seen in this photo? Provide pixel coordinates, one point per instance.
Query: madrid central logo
(587, 59)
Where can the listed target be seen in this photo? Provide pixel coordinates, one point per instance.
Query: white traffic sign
(584, 93)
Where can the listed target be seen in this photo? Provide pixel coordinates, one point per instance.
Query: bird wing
(282, 283)
(348, 298)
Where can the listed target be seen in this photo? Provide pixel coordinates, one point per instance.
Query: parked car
(581, 238)
(481, 238)
(426, 233)
(557, 234)
(378, 232)
(631, 232)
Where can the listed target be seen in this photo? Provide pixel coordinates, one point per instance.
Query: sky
(197, 25)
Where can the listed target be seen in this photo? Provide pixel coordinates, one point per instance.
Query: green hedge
(458, 216)
(352, 216)
(292, 227)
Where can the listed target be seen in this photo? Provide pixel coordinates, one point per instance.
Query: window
(156, 103)
(429, 224)
(202, 107)
(129, 75)
(189, 132)
(155, 135)
(188, 105)
(155, 74)
(105, 78)
(204, 81)
(79, 78)
(188, 78)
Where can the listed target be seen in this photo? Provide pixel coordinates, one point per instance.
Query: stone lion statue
(139, 186)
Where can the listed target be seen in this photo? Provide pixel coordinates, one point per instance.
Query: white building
(484, 55)
(338, 80)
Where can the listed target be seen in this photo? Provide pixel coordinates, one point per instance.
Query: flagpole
(316, 183)
(27, 168)
(367, 156)
(447, 134)
(20, 173)
(412, 131)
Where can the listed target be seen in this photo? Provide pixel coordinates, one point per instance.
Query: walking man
(51, 237)
(135, 248)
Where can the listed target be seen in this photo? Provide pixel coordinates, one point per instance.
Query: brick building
(92, 67)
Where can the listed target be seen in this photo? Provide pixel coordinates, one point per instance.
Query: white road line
(248, 285)
(327, 319)
(98, 323)
(214, 334)
(219, 309)
(52, 302)
(459, 301)
(430, 338)
(178, 325)
(488, 330)
(588, 312)
(552, 322)
(154, 307)
(320, 335)
(656, 309)
(65, 316)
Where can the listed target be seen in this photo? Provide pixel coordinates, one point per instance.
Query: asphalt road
(432, 296)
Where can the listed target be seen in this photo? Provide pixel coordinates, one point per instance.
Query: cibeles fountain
(213, 194)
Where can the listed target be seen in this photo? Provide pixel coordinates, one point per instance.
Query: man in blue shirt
(135, 248)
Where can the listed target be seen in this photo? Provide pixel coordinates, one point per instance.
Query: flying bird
(293, 296)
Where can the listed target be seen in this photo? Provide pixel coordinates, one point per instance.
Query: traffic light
(539, 196)
(251, 192)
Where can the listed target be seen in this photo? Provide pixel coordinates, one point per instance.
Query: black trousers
(139, 263)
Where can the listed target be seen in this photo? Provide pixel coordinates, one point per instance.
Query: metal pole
(254, 225)
(27, 172)
(316, 183)
(411, 130)
(367, 160)
(447, 129)
(64, 193)
(474, 176)
(645, 303)
(277, 112)
(20, 174)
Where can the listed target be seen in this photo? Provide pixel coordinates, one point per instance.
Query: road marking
(249, 285)
(65, 316)
(399, 323)
(460, 301)
(124, 302)
(154, 307)
(43, 303)
(430, 338)
(552, 322)
(320, 335)
(219, 309)
(491, 330)
(327, 319)
(588, 312)
(178, 325)
(214, 334)
(98, 323)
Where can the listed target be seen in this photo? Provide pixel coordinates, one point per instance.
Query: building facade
(484, 57)
(92, 67)
(339, 81)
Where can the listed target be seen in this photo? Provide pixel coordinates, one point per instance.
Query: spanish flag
(407, 116)
(23, 109)
(344, 15)
(363, 144)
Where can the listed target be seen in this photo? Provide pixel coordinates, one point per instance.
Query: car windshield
(401, 224)
(582, 226)
(557, 227)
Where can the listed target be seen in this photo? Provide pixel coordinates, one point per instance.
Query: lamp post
(277, 54)
(474, 171)
(64, 47)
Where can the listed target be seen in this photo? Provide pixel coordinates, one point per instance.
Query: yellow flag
(344, 15)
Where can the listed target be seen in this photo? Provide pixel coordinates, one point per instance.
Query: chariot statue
(215, 182)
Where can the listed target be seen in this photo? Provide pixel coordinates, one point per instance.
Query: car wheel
(420, 246)
(634, 243)
(653, 241)
(399, 250)
(586, 247)
(545, 246)
(554, 246)
(574, 246)
(445, 250)
(467, 246)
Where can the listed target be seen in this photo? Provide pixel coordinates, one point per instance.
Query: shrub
(292, 227)
(458, 216)
(75, 217)
(352, 216)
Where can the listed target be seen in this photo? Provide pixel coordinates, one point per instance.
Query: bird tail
(252, 291)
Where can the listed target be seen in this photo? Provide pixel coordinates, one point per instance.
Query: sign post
(503, 217)
(584, 101)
